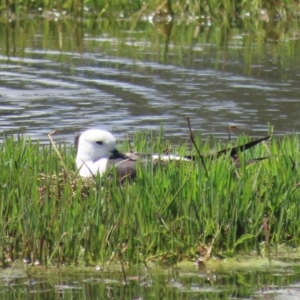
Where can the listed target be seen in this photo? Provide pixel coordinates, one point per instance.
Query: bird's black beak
(117, 154)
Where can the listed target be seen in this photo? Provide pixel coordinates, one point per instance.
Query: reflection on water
(126, 80)
(70, 283)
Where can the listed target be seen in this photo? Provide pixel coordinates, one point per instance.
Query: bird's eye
(99, 143)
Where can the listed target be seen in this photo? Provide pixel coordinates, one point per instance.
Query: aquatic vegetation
(52, 216)
(217, 10)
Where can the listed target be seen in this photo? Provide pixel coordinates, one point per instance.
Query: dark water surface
(69, 76)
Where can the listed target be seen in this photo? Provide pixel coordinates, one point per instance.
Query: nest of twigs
(57, 186)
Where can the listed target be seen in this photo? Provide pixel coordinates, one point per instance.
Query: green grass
(51, 215)
(224, 10)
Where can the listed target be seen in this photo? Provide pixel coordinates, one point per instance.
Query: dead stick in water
(194, 143)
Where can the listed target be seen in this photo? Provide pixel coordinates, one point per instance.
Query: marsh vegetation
(52, 216)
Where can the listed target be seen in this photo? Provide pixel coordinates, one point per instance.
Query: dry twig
(56, 150)
(195, 145)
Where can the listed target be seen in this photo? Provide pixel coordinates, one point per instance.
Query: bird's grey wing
(123, 167)
(137, 155)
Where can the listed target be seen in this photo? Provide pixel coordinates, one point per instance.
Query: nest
(57, 186)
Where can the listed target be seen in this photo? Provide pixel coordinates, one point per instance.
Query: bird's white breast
(90, 168)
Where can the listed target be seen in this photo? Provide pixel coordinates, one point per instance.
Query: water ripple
(125, 95)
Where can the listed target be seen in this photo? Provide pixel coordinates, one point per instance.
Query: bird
(96, 153)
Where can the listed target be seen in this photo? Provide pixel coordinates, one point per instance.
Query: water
(164, 283)
(69, 78)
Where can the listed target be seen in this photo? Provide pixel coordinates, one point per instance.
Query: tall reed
(224, 10)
